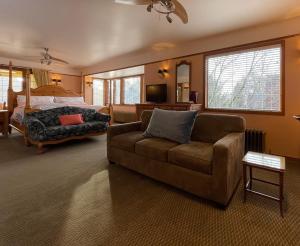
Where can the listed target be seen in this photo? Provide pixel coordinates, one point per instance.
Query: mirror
(183, 81)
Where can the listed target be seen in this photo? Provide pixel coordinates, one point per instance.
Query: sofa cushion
(196, 156)
(127, 141)
(154, 148)
(172, 125)
(145, 118)
(60, 132)
(212, 127)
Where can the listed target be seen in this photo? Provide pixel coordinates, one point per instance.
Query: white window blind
(116, 91)
(245, 80)
(98, 92)
(132, 90)
(17, 83)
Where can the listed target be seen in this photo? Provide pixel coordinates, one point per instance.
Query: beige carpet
(71, 196)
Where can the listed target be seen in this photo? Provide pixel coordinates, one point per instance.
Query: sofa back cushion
(145, 117)
(210, 128)
(172, 125)
(50, 117)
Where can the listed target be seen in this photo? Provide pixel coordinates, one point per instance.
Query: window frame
(19, 69)
(245, 48)
(108, 93)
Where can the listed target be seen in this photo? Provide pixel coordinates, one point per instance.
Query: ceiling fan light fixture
(163, 7)
(150, 7)
(169, 19)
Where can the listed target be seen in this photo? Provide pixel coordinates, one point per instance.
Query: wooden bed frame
(47, 90)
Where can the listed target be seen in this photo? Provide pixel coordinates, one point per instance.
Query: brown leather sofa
(209, 167)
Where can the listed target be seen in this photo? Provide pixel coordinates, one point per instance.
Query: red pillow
(72, 119)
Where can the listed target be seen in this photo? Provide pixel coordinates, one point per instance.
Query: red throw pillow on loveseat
(72, 119)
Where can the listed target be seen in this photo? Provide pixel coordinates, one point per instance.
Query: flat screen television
(156, 93)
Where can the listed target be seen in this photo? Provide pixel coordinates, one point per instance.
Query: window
(3, 88)
(132, 90)
(17, 82)
(116, 91)
(248, 80)
(124, 90)
(98, 92)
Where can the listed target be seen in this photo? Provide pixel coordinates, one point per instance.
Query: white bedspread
(18, 113)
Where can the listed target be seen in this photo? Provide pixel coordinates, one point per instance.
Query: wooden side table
(4, 122)
(267, 162)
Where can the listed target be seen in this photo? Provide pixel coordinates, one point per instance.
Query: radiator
(254, 140)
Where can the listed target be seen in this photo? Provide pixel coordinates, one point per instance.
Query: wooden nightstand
(4, 122)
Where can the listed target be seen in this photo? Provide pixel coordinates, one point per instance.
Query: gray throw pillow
(173, 125)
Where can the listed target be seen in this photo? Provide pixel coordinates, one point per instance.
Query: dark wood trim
(240, 48)
(72, 75)
(17, 68)
(183, 62)
(200, 53)
(283, 68)
(132, 76)
(20, 68)
(239, 111)
(40, 145)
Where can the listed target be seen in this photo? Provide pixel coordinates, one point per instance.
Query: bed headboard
(46, 90)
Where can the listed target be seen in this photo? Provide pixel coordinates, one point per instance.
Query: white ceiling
(120, 73)
(85, 32)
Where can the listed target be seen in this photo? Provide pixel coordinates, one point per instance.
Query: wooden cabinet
(177, 107)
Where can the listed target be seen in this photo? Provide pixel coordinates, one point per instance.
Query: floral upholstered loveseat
(43, 127)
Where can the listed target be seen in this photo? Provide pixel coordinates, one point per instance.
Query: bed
(43, 98)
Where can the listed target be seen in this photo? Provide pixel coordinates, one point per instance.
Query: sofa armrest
(115, 130)
(102, 117)
(227, 164)
(34, 128)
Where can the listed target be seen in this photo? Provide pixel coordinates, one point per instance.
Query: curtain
(41, 77)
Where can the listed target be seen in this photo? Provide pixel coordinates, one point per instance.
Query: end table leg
(281, 193)
(250, 170)
(245, 181)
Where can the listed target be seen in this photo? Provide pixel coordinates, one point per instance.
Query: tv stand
(177, 107)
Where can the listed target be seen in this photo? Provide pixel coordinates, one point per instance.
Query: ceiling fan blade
(180, 11)
(58, 60)
(134, 2)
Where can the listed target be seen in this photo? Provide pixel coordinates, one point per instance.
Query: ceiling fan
(47, 59)
(166, 7)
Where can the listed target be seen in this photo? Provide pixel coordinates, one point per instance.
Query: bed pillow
(73, 100)
(172, 125)
(71, 119)
(35, 100)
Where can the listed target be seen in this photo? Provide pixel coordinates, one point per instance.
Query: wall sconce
(56, 79)
(162, 72)
(89, 81)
